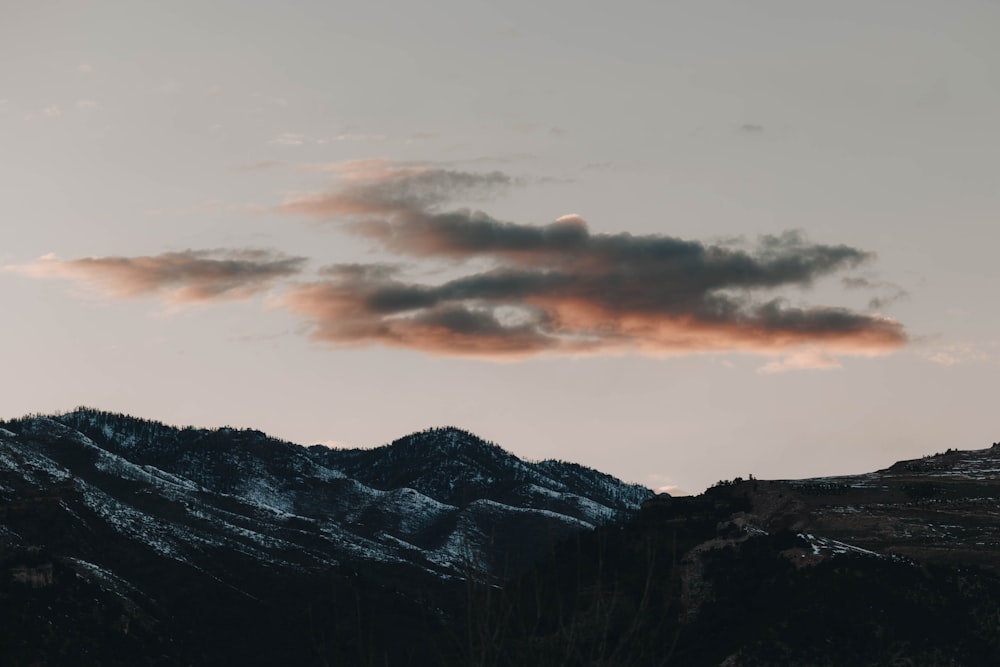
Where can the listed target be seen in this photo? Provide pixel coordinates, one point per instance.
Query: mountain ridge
(412, 518)
(129, 542)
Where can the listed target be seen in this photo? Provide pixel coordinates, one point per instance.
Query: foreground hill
(894, 567)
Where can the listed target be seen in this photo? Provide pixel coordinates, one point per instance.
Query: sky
(678, 241)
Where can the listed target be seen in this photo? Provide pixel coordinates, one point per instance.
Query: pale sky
(674, 241)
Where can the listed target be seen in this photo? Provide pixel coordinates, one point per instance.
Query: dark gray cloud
(570, 311)
(553, 288)
(559, 287)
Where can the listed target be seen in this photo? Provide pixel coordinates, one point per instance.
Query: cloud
(958, 354)
(550, 289)
(751, 128)
(382, 188)
(52, 111)
(289, 139)
(357, 136)
(660, 483)
(891, 292)
(359, 170)
(84, 68)
(801, 360)
(949, 357)
(259, 165)
(559, 288)
(298, 139)
(178, 277)
(333, 444)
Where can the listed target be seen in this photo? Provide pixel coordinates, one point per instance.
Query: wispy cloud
(661, 483)
(299, 139)
(559, 288)
(380, 187)
(289, 139)
(960, 354)
(801, 360)
(259, 165)
(890, 292)
(178, 277)
(357, 136)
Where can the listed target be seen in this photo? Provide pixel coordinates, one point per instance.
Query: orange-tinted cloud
(515, 313)
(804, 359)
(178, 277)
(559, 288)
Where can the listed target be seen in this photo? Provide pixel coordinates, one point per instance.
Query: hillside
(130, 542)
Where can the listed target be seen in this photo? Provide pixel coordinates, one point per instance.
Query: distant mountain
(130, 542)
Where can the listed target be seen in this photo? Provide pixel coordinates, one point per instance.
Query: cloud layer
(556, 288)
(178, 277)
(560, 288)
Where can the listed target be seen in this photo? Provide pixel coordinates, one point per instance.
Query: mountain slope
(458, 468)
(197, 546)
(185, 491)
(128, 542)
(895, 567)
(940, 508)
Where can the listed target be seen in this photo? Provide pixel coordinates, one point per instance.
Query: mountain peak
(446, 438)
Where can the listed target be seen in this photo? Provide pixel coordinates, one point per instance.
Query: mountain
(509, 506)
(434, 499)
(130, 542)
(143, 515)
(896, 567)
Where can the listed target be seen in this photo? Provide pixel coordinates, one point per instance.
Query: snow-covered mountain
(442, 500)
(130, 542)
